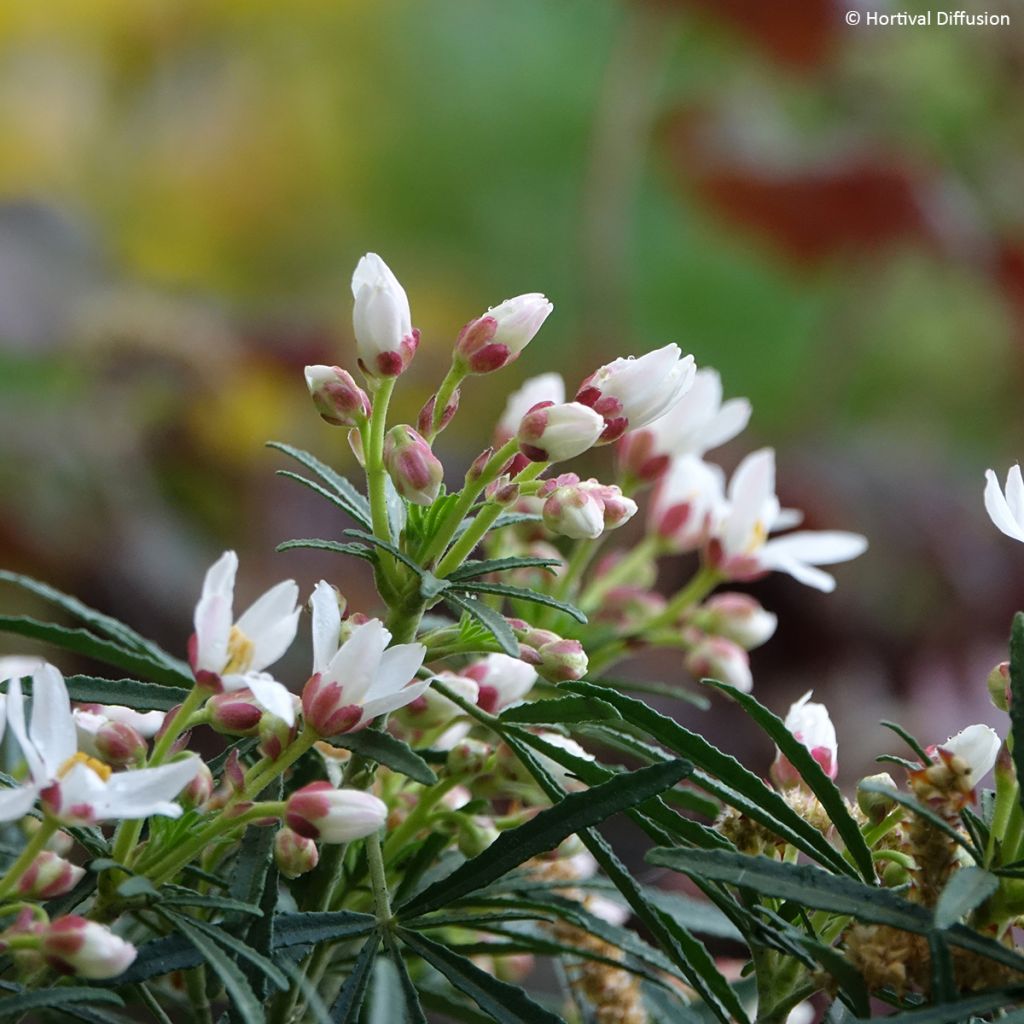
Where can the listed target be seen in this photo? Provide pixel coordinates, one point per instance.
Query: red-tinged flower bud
(503, 491)
(560, 661)
(276, 735)
(234, 774)
(431, 708)
(425, 420)
(119, 744)
(629, 606)
(236, 713)
(721, 659)
(553, 433)
(495, 339)
(502, 681)
(385, 337)
(574, 512)
(199, 790)
(350, 624)
(48, 876)
(639, 457)
(999, 686)
(414, 469)
(738, 617)
(337, 397)
(60, 842)
(319, 811)
(294, 854)
(73, 945)
(471, 758)
(811, 725)
(355, 442)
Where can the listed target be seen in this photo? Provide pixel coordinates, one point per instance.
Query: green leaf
(492, 621)
(53, 998)
(248, 1006)
(471, 569)
(350, 999)
(413, 1009)
(1017, 699)
(385, 749)
(960, 1011)
(967, 889)
(673, 690)
(505, 519)
(523, 594)
(132, 693)
(725, 777)
(811, 772)
(570, 710)
(908, 738)
(175, 896)
(578, 811)
(812, 887)
(390, 548)
(386, 1002)
(507, 1004)
(316, 1009)
(81, 641)
(320, 926)
(431, 586)
(161, 956)
(358, 550)
(345, 494)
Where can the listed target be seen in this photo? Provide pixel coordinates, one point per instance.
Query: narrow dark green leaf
(54, 998)
(523, 594)
(161, 956)
(562, 709)
(726, 778)
(810, 886)
(249, 871)
(505, 519)
(578, 811)
(507, 1004)
(431, 586)
(943, 982)
(354, 503)
(386, 1000)
(350, 999)
(384, 545)
(316, 1009)
(132, 693)
(811, 772)
(1017, 698)
(357, 550)
(385, 749)
(967, 889)
(908, 738)
(956, 1013)
(492, 621)
(320, 926)
(413, 1009)
(173, 898)
(470, 570)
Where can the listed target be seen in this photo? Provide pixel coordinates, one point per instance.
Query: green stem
(624, 570)
(693, 593)
(376, 474)
(453, 378)
(378, 878)
(1007, 797)
(195, 985)
(35, 846)
(418, 816)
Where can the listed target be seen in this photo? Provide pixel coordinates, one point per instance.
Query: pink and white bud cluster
(715, 657)
(554, 433)
(547, 387)
(74, 945)
(294, 855)
(414, 469)
(556, 659)
(583, 509)
(737, 617)
(495, 339)
(630, 393)
(385, 337)
(811, 725)
(235, 713)
(337, 397)
(48, 876)
(319, 811)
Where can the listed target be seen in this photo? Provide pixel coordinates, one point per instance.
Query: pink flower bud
(585, 509)
(548, 387)
(294, 854)
(495, 339)
(319, 811)
(560, 661)
(385, 337)
(503, 491)
(999, 686)
(628, 606)
(119, 744)
(553, 433)
(502, 681)
(431, 708)
(414, 469)
(639, 458)
(49, 875)
(236, 713)
(686, 502)
(471, 758)
(810, 725)
(276, 735)
(721, 659)
(234, 774)
(336, 395)
(425, 420)
(738, 617)
(73, 945)
(199, 790)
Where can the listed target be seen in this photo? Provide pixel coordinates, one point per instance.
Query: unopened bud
(495, 339)
(199, 790)
(626, 607)
(553, 433)
(294, 854)
(236, 713)
(414, 469)
(639, 457)
(385, 337)
(561, 661)
(721, 659)
(737, 617)
(336, 395)
(119, 744)
(876, 805)
(503, 491)
(476, 833)
(999, 686)
(73, 945)
(425, 420)
(471, 758)
(49, 875)
(584, 509)
(350, 624)
(431, 708)
(319, 811)
(276, 735)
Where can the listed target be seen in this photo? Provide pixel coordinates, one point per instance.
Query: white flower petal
(978, 745)
(18, 666)
(1015, 493)
(16, 720)
(730, 420)
(751, 489)
(394, 700)
(16, 803)
(138, 794)
(270, 623)
(52, 730)
(816, 547)
(355, 664)
(999, 509)
(398, 665)
(272, 695)
(326, 625)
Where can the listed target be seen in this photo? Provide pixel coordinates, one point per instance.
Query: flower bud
(495, 339)
(431, 708)
(199, 790)
(235, 713)
(547, 387)
(385, 337)
(502, 681)
(999, 686)
(73, 945)
(115, 743)
(876, 805)
(626, 607)
(336, 395)
(319, 811)
(146, 723)
(639, 458)
(476, 833)
(553, 433)
(721, 659)
(414, 469)
(48, 876)
(471, 758)
(584, 509)
(60, 842)
(276, 735)
(294, 854)
(425, 420)
(562, 661)
(811, 725)
(738, 617)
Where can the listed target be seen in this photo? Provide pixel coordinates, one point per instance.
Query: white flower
(811, 725)
(495, 339)
(753, 512)
(381, 318)
(502, 680)
(547, 387)
(226, 656)
(738, 617)
(74, 945)
(715, 657)
(362, 678)
(319, 811)
(74, 787)
(630, 393)
(554, 433)
(146, 723)
(687, 503)
(1006, 511)
(978, 746)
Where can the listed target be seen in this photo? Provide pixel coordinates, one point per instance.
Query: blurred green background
(832, 217)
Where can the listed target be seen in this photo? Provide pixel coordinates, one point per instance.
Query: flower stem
(378, 878)
(452, 379)
(33, 848)
(622, 571)
(705, 580)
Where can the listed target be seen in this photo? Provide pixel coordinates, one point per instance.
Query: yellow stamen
(240, 652)
(101, 769)
(757, 537)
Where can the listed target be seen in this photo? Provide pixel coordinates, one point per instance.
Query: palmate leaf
(505, 1003)
(342, 492)
(524, 594)
(576, 812)
(336, 546)
(811, 772)
(54, 998)
(386, 750)
(472, 569)
(492, 621)
(350, 999)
